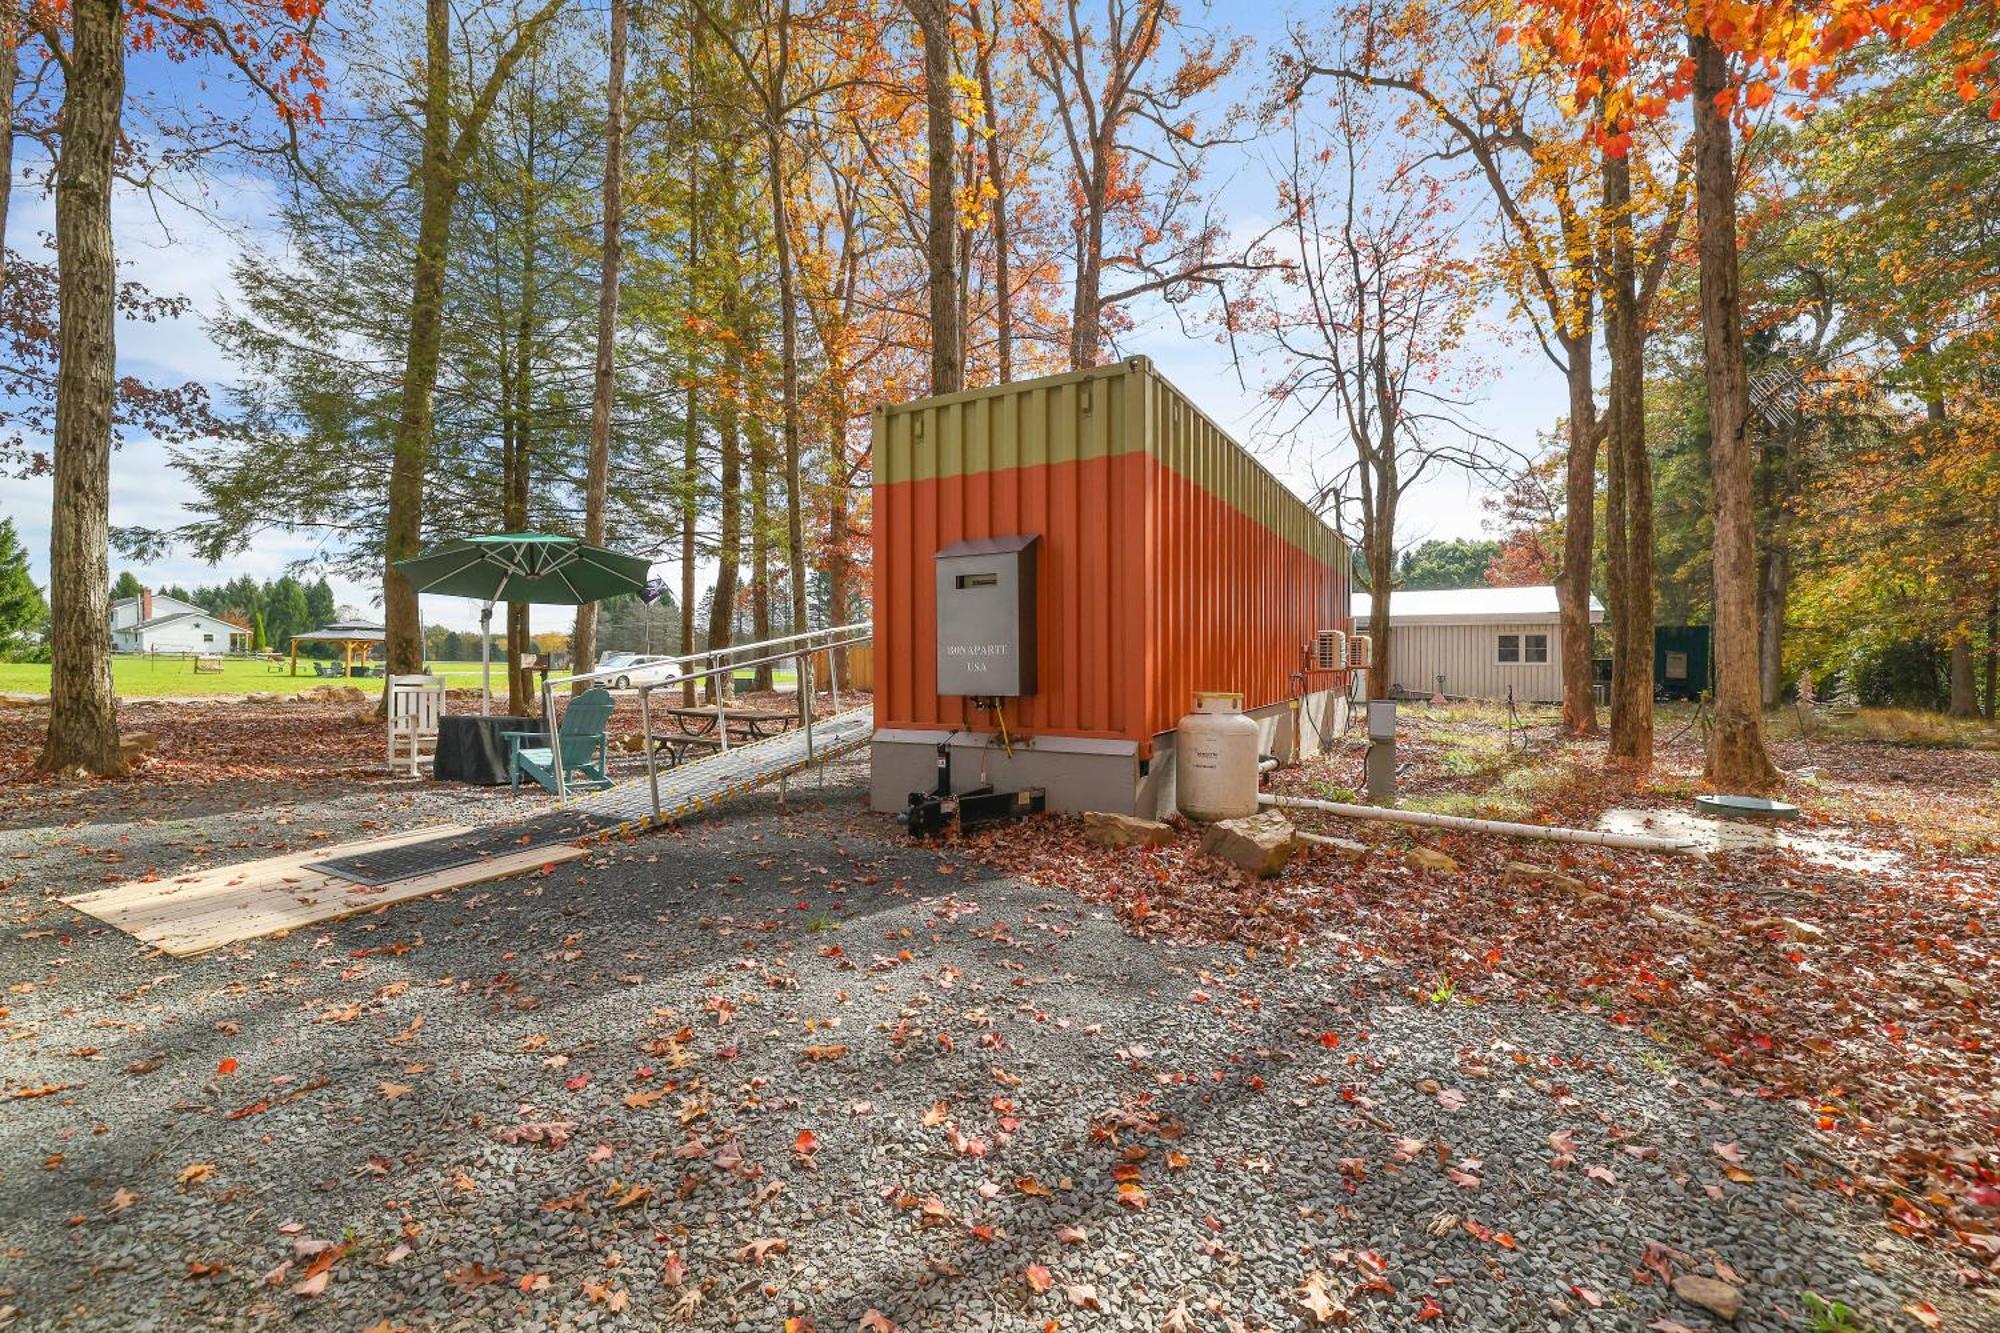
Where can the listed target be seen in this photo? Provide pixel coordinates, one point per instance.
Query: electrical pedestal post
(1382, 751)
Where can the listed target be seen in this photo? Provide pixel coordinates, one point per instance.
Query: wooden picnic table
(750, 724)
(694, 730)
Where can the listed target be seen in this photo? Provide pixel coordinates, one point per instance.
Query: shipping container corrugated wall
(1171, 560)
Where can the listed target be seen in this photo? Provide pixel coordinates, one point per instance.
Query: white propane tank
(1215, 759)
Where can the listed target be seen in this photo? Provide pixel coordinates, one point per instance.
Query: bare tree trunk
(410, 458)
(788, 325)
(996, 172)
(1086, 330)
(760, 541)
(83, 714)
(729, 553)
(691, 427)
(941, 231)
(1378, 543)
(438, 181)
(1774, 586)
(604, 383)
(1628, 519)
(1579, 523)
(1993, 652)
(1964, 688)
(13, 27)
(522, 697)
(1738, 759)
(839, 569)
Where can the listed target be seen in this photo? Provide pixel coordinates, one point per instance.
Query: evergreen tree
(127, 586)
(23, 612)
(320, 606)
(285, 611)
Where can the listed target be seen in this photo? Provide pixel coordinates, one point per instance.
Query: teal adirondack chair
(581, 738)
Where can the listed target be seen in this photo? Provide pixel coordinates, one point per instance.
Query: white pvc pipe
(1637, 842)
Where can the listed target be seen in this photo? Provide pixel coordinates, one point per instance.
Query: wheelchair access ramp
(669, 795)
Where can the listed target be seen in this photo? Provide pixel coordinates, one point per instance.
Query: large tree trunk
(996, 173)
(1378, 541)
(1774, 586)
(729, 552)
(839, 568)
(760, 541)
(521, 693)
(604, 383)
(1579, 524)
(1992, 653)
(1964, 688)
(13, 27)
(941, 224)
(83, 715)
(1628, 519)
(437, 184)
(1738, 759)
(410, 459)
(1086, 331)
(691, 426)
(788, 327)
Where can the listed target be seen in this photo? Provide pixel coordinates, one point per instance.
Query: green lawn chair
(585, 748)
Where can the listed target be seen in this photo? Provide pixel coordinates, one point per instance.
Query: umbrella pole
(486, 659)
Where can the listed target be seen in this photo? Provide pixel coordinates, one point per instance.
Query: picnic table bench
(695, 730)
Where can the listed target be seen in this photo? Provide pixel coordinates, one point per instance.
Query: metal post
(722, 685)
(555, 739)
(805, 693)
(833, 673)
(646, 738)
(799, 686)
(486, 660)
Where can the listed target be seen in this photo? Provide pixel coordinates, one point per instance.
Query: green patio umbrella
(537, 567)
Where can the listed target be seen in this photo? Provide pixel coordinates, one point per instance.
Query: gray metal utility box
(986, 617)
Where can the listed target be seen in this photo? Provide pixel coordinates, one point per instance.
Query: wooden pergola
(350, 635)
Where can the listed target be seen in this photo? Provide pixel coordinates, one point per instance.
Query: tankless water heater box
(986, 617)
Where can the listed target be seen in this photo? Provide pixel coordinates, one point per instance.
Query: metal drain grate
(410, 860)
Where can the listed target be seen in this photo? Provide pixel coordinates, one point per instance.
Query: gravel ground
(773, 1066)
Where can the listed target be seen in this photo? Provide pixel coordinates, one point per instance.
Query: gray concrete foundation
(1081, 773)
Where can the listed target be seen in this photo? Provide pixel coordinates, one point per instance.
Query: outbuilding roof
(1473, 606)
(172, 616)
(344, 631)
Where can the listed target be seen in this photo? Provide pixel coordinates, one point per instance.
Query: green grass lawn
(138, 677)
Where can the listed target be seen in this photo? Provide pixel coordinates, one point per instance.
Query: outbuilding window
(1515, 649)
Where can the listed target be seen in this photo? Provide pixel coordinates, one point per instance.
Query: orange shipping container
(1170, 561)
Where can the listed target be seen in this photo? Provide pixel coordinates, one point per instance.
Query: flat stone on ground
(1106, 829)
(1261, 843)
(1718, 1298)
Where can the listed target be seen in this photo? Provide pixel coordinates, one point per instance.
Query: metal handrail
(807, 644)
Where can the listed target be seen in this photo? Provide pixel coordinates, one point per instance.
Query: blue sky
(180, 251)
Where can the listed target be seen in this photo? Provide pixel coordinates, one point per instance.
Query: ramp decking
(192, 914)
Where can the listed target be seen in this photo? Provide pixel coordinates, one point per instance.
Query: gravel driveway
(772, 1066)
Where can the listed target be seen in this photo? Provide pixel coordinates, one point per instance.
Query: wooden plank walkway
(193, 914)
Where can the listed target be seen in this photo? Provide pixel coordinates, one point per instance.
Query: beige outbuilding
(1476, 643)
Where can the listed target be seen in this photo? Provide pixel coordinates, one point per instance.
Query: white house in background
(1482, 641)
(155, 623)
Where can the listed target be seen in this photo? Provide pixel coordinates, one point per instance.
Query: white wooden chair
(415, 704)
